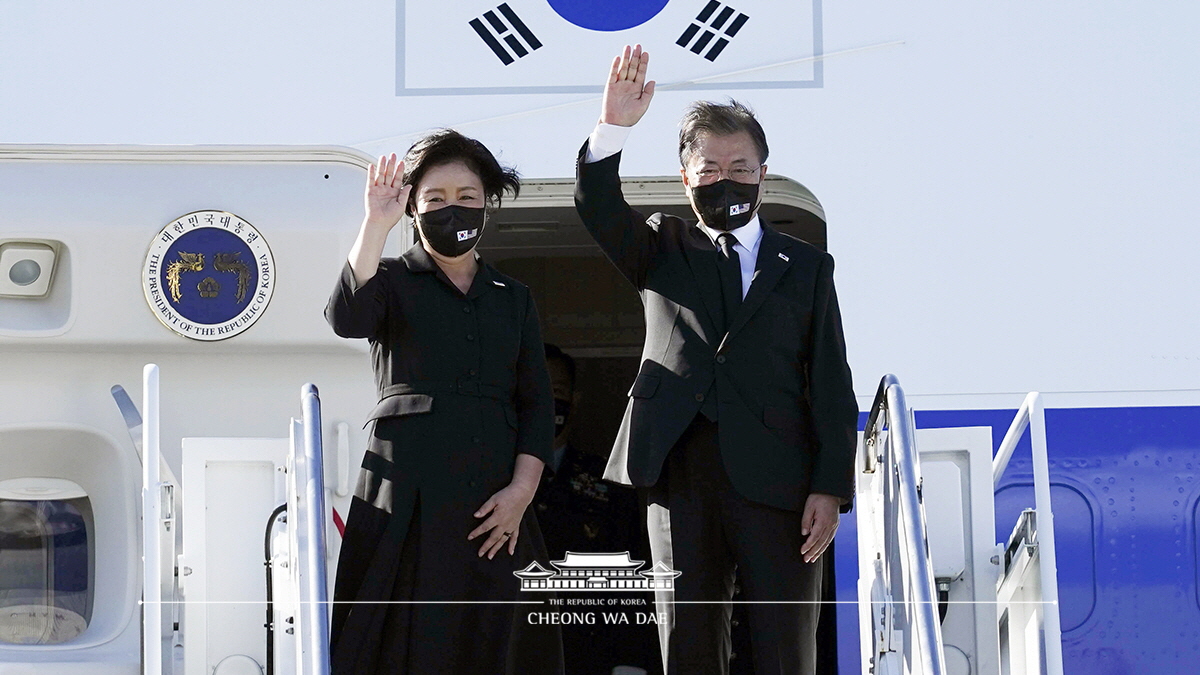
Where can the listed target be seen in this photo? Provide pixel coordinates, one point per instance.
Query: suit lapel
(772, 262)
(702, 258)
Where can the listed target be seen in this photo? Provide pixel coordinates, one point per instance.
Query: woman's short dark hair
(718, 119)
(447, 146)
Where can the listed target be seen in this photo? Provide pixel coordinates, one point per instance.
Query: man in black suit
(740, 428)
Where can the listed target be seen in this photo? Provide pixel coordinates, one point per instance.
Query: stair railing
(889, 441)
(1037, 529)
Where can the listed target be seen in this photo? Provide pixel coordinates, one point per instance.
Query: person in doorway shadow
(581, 512)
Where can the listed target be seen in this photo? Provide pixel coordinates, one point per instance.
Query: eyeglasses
(740, 174)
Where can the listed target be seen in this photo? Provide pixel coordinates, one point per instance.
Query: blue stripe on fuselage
(1126, 498)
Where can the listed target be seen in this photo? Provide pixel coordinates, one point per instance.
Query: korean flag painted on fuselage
(554, 46)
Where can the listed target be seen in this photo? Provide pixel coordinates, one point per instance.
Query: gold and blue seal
(209, 275)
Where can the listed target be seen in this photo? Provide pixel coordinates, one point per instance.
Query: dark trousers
(699, 525)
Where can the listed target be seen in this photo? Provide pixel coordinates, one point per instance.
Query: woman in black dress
(465, 421)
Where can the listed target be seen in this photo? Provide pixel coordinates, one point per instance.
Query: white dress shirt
(608, 139)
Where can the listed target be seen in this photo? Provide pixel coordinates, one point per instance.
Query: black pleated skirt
(412, 596)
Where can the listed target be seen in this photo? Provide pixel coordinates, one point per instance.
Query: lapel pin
(785, 258)
(501, 285)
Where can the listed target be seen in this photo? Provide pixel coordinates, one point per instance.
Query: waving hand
(627, 94)
(385, 197)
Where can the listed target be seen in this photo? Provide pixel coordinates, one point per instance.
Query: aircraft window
(45, 570)
(1075, 544)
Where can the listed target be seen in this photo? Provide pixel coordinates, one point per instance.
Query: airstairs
(937, 595)
(243, 589)
(276, 484)
(202, 614)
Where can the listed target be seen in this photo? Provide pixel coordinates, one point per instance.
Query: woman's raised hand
(385, 197)
(627, 94)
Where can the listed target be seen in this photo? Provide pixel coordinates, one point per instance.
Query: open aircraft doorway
(591, 312)
(586, 307)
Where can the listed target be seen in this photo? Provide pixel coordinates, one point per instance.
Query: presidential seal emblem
(208, 275)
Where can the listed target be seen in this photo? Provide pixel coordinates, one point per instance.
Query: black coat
(463, 388)
(786, 410)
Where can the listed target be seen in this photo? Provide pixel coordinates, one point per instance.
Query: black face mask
(452, 230)
(562, 410)
(726, 204)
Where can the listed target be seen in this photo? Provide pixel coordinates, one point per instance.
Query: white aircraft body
(1008, 191)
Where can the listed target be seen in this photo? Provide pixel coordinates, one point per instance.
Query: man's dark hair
(446, 146)
(554, 353)
(718, 119)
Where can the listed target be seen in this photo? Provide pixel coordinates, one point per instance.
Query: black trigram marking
(496, 30)
(710, 24)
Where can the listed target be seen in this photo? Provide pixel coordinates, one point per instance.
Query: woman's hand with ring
(503, 512)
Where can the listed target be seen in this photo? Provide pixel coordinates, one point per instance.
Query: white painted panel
(944, 513)
(231, 485)
(239, 496)
(959, 460)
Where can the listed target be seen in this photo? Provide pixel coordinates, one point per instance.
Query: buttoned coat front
(463, 388)
(785, 405)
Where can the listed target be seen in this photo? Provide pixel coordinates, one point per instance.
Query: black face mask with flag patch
(452, 230)
(726, 204)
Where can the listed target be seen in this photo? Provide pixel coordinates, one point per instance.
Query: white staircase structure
(234, 489)
(937, 595)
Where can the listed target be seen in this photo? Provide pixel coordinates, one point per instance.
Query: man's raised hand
(627, 94)
(385, 197)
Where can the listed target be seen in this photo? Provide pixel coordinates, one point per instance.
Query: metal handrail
(871, 457)
(1032, 415)
(310, 487)
(900, 452)
(152, 609)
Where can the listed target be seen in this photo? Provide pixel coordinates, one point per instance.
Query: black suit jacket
(787, 416)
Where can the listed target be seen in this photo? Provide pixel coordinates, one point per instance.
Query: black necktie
(729, 268)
